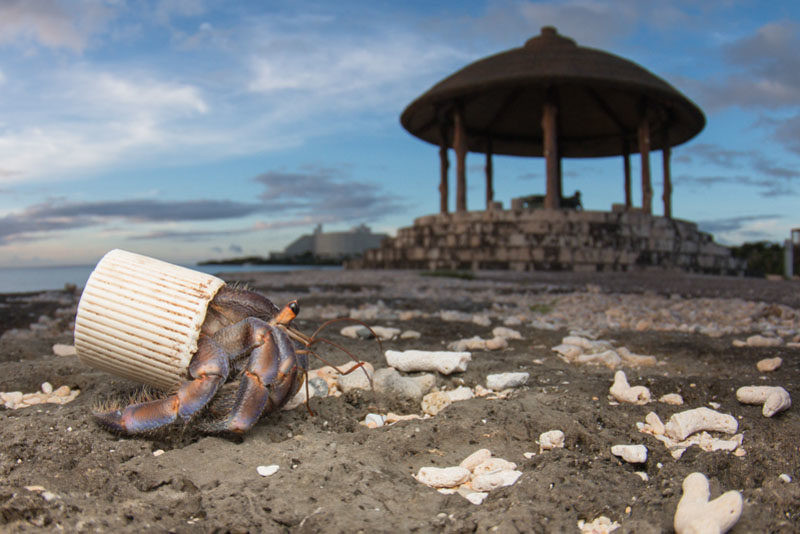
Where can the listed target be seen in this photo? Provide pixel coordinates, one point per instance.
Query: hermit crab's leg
(269, 379)
(209, 369)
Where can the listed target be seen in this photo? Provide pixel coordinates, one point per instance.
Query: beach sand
(60, 471)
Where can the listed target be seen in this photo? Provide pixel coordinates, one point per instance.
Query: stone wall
(527, 240)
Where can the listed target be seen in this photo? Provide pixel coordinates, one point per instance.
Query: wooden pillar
(644, 152)
(552, 200)
(444, 166)
(626, 160)
(460, 146)
(667, 183)
(489, 175)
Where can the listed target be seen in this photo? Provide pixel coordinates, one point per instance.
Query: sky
(191, 130)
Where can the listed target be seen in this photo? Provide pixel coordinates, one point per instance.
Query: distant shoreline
(288, 260)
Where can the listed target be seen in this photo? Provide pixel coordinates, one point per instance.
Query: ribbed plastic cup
(140, 318)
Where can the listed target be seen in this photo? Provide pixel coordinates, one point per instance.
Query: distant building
(334, 244)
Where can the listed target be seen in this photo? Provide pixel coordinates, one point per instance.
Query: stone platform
(528, 240)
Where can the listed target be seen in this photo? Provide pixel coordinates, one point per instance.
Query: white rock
(570, 352)
(785, 478)
(601, 525)
(158, 452)
(762, 341)
(496, 343)
(490, 465)
(623, 392)
(374, 420)
(609, 358)
(443, 477)
(356, 379)
(461, 393)
(410, 334)
(60, 349)
(552, 439)
(774, 398)
(684, 424)
(769, 364)
(507, 333)
(475, 459)
(494, 480)
(419, 360)
(633, 454)
(671, 398)
(695, 514)
(501, 381)
(435, 401)
(635, 359)
(386, 333)
(578, 341)
(47, 387)
(267, 470)
(481, 320)
(355, 331)
(656, 426)
(475, 497)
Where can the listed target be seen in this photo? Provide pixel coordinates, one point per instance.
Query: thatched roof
(601, 99)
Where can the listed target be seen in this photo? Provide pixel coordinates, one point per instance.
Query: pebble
(435, 402)
(357, 379)
(14, 400)
(267, 470)
(774, 398)
(633, 454)
(671, 398)
(769, 364)
(785, 478)
(623, 392)
(158, 452)
(552, 439)
(419, 360)
(392, 383)
(507, 333)
(410, 334)
(374, 420)
(476, 458)
(501, 381)
(60, 349)
(443, 477)
(494, 480)
(763, 341)
(600, 525)
(461, 393)
(356, 331)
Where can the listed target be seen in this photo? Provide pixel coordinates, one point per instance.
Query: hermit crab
(226, 352)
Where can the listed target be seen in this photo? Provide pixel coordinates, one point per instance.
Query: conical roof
(601, 99)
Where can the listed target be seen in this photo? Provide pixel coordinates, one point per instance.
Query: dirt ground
(59, 471)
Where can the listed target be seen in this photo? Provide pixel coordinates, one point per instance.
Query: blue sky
(194, 129)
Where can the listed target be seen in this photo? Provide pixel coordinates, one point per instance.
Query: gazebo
(555, 99)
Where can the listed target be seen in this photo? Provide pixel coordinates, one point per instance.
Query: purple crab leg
(209, 369)
(267, 382)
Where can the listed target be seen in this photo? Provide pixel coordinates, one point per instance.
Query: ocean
(25, 279)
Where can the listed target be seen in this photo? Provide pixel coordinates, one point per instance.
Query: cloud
(324, 195)
(292, 199)
(740, 167)
(744, 228)
(766, 71)
(52, 23)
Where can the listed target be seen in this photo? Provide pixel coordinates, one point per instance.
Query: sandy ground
(60, 471)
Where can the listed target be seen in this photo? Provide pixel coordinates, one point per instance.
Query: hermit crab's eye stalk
(295, 307)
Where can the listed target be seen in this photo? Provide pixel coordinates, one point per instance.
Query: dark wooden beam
(460, 146)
